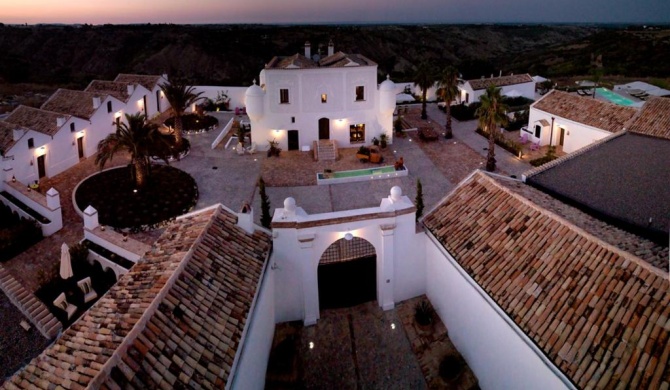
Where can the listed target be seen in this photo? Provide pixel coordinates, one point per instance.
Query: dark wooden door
(324, 128)
(146, 109)
(347, 283)
(293, 140)
(562, 138)
(41, 166)
(158, 101)
(80, 147)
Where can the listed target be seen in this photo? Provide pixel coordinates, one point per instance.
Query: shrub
(78, 254)
(451, 367)
(464, 113)
(195, 122)
(423, 313)
(19, 237)
(266, 218)
(509, 145)
(419, 199)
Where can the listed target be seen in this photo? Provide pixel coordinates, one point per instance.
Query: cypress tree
(266, 218)
(419, 199)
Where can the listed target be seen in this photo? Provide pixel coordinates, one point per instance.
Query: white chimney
(60, 121)
(245, 218)
(131, 89)
(96, 102)
(331, 48)
(17, 134)
(500, 75)
(308, 50)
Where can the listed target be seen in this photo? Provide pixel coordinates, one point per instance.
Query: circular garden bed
(168, 193)
(194, 123)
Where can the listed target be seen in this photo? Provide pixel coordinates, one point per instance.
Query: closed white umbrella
(65, 264)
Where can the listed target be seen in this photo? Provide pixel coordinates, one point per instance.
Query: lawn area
(168, 193)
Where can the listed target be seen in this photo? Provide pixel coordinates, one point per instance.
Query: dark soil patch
(193, 123)
(168, 193)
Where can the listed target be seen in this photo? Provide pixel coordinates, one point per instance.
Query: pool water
(614, 97)
(360, 172)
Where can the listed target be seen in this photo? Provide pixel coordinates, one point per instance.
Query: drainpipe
(551, 136)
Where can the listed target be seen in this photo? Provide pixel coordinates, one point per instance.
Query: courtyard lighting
(311, 345)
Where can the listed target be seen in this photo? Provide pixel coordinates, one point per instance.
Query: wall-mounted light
(80, 134)
(348, 236)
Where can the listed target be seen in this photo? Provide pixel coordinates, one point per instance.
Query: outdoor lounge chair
(535, 146)
(524, 138)
(87, 289)
(61, 303)
(240, 149)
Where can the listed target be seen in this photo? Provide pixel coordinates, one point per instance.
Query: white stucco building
(303, 98)
(572, 121)
(154, 102)
(469, 91)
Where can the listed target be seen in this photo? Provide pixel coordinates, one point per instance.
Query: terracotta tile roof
(296, 61)
(653, 253)
(600, 314)
(175, 320)
(40, 120)
(76, 103)
(502, 81)
(147, 81)
(6, 136)
(653, 119)
(592, 112)
(117, 89)
(340, 59)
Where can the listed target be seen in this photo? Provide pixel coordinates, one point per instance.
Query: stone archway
(347, 274)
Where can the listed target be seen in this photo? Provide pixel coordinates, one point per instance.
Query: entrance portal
(324, 128)
(293, 141)
(347, 274)
(41, 166)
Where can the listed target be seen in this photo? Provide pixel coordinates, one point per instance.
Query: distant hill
(234, 54)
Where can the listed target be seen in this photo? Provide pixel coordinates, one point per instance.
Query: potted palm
(363, 153)
(383, 140)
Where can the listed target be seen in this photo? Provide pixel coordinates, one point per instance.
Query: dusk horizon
(345, 12)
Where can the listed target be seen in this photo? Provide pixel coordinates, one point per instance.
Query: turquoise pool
(383, 172)
(614, 97)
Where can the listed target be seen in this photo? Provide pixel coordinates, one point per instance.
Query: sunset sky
(329, 11)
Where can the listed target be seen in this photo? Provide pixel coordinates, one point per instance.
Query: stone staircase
(326, 150)
(29, 305)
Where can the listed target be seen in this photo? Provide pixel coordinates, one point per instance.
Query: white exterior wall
(577, 135)
(236, 94)
(61, 151)
(151, 99)
(250, 372)
(497, 354)
(135, 102)
(297, 251)
(527, 90)
(23, 166)
(305, 88)
(102, 123)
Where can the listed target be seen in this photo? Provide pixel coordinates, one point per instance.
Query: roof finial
(254, 81)
(388, 77)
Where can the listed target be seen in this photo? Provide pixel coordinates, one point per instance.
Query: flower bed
(16, 234)
(194, 123)
(511, 146)
(169, 192)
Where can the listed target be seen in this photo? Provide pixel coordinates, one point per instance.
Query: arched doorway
(324, 128)
(347, 274)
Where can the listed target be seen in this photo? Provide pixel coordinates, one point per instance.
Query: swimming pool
(614, 97)
(385, 172)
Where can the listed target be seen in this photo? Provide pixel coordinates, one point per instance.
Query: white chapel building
(304, 98)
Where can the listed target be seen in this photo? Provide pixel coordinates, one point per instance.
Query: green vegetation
(194, 123)
(448, 92)
(419, 199)
(491, 114)
(266, 218)
(180, 98)
(140, 139)
(550, 156)
(424, 78)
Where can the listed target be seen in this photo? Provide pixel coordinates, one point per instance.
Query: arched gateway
(344, 258)
(347, 273)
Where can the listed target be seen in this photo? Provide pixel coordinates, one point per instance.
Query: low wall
(106, 264)
(500, 355)
(250, 372)
(37, 202)
(132, 250)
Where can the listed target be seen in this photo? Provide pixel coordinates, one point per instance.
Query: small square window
(324, 98)
(109, 107)
(283, 96)
(292, 119)
(31, 143)
(72, 127)
(360, 93)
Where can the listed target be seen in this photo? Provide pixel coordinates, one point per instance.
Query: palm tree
(180, 97)
(448, 92)
(140, 139)
(491, 114)
(424, 78)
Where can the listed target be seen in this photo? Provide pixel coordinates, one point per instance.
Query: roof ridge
(577, 229)
(537, 170)
(142, 322)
